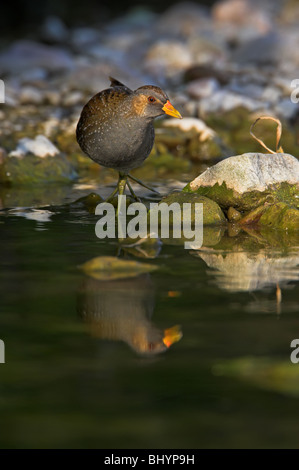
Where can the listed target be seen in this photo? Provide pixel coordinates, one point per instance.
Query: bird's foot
(132, 192)
(143, 184)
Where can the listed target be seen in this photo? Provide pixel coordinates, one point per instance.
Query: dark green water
(228, 382)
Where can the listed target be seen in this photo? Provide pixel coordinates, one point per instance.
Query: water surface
(77, 372)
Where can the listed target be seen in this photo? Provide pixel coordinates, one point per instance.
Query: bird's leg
(142, 184)
(132, 192)
(118, 186)
(121, 185)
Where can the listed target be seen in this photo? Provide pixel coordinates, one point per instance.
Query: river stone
(279, 215)
(32, 170)
(212, 214)
(40, 147)
(36, 161)
(249, 180)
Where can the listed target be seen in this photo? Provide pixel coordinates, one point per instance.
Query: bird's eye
(151, 99)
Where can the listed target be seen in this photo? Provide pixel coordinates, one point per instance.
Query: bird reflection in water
(121, 310)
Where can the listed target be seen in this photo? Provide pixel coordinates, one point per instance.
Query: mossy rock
(212, 214)
(31, 170)
(280, 216)
(227, 198)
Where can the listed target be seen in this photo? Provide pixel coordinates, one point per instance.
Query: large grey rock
(250, 172)
(248, 181)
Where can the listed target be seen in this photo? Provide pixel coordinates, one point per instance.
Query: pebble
(31, 95)
(168, 56)
(73, 98)
(52, 97)
(188, 124)
(202, 88)
(40, 147)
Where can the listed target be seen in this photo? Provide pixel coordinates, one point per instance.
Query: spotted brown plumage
(116, 129)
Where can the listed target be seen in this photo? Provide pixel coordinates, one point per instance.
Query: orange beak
(172, 335)
(169, 109)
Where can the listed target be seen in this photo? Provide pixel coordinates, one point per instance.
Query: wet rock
(249, 180)
(32, 170)
(233, 215)
(212, 214)
(279, 215)
(36, 161)
(26, 54)
(39, 195)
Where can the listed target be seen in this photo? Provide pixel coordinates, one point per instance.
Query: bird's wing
(114, 82)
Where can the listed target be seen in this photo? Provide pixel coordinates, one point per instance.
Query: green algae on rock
(34, 170)
(212, 214)
(36, 161)
(279, 215)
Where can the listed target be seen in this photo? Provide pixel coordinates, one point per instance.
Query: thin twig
(278, 134)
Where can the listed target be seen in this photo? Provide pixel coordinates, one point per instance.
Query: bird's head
(150, 102)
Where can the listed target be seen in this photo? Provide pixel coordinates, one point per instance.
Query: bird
(116, 130)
